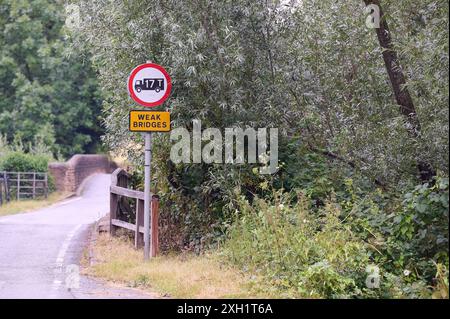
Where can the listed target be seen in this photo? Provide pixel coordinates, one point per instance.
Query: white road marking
(60, 260)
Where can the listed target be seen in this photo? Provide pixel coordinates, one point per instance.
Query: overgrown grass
(22, 206)
(182, 276)
(305, 254)
(282, 247)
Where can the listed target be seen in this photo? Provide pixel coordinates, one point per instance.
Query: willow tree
(311, 68)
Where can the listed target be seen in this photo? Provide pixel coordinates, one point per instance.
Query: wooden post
(154, 247)
(112, 212)
(136, 231)
(18, 186)
(34, 185)
(46, 185)
(139, 240)
(118, 191)
(118, 178)
(1, 191)
(113, 203)
(8, 193)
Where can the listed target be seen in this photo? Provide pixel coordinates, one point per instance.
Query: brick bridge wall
(68, 176)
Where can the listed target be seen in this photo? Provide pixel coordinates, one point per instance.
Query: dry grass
(22, 206)
(179, 276)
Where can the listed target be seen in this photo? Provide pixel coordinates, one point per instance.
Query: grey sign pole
(147, 197)
(148, 101)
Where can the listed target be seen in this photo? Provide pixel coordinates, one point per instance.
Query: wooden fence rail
(120, 209)
(24, 185)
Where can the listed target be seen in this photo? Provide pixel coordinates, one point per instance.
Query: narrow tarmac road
(40, 251)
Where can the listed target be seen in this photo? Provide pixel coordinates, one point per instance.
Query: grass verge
(174, 276)
(22, 206)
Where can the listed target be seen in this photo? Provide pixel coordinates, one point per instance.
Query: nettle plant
(422, 226)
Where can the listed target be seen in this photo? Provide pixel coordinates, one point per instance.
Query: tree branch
(401, 92)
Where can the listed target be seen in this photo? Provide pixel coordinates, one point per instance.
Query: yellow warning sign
(149, 121)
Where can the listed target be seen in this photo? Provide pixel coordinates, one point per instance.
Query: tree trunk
(401, 92)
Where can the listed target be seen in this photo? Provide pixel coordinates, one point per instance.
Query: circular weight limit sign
(149, 84)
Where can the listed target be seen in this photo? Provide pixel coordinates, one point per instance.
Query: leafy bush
(305, 254)
(17, 161)
(421, 228)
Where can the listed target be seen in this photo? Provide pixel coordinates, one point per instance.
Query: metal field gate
(23, 185)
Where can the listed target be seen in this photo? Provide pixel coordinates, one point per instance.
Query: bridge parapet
(68, 176)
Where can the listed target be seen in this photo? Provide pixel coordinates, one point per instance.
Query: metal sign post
(147, 197)
(149, 85)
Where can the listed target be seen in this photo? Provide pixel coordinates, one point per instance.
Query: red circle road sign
(149, 84)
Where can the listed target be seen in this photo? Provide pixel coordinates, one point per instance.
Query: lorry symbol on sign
(149, 84)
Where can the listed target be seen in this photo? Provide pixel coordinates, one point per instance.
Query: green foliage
(313, 70)
(303, 254)
(13, 158)
(406, 236)
(421, 228)
(310, 68)
(48, 92)
(17, 161)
